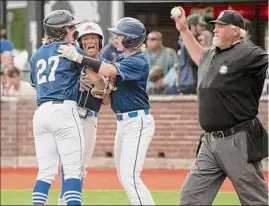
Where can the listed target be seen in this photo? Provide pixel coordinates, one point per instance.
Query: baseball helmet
(55, 22)
(133, 30)
(90, 28)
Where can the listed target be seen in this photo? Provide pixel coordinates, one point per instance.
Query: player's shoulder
(35, 54)
(139, 60)
(138, 57)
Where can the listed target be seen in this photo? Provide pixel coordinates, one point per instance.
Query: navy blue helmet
(133, 30)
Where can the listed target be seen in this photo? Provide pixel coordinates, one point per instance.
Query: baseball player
(57, 127)
(135, 125)
(91, 39)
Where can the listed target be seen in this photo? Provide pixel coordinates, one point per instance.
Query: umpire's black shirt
(230, 83)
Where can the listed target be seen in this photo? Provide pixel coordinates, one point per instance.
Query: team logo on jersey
(223, 69)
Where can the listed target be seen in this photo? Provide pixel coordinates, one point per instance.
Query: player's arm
(101, 67)
(96, 79)
(107, 99)
(97, 66)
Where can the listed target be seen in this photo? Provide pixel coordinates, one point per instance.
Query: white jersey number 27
(42, 65)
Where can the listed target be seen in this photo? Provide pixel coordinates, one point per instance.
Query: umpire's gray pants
(217, 159)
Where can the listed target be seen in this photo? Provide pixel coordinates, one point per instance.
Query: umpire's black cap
(230, 17)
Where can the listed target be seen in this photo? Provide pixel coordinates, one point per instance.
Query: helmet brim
(73, 23)
(116, 31)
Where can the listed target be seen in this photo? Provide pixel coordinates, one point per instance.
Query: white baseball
(175, 12)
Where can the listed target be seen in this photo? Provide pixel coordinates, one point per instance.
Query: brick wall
(176, 136)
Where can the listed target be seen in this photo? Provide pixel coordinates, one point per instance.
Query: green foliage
(18, 28)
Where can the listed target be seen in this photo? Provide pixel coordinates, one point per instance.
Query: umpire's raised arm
(192, 45)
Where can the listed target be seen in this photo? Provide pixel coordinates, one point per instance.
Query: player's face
(70, 34)
(90, 44)
(117, 39)
(224, 35)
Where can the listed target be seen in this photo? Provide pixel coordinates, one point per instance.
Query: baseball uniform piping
(136, 160)
(78, 133)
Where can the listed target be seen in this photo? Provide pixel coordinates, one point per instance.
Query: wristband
(92, 64)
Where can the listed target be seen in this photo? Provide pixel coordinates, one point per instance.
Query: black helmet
(55, 21)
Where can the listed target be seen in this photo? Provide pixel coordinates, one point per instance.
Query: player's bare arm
(192, 45)
(107, 99)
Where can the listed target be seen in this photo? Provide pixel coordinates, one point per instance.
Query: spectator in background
(7, 60)
(14, 86)
(109, 52)
(3, 79)
(6, 45)
(187, 72)
(205, 38)
(158, 56)
(248, 29)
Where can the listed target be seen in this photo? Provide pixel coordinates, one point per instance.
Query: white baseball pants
(89, 125)
(58, 131)
(132, 140)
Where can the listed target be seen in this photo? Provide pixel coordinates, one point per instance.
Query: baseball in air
(176, 12)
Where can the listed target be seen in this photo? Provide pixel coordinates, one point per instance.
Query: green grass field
(23, 197)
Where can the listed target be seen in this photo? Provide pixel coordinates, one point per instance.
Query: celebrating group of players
(72, 83)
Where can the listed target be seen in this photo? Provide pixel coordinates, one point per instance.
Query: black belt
(54, 102)
(231, 131)
(58, 102)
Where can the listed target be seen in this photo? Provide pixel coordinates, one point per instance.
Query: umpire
(231, 74)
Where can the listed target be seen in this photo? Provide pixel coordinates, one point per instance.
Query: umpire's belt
(133, 114)
(228, 132)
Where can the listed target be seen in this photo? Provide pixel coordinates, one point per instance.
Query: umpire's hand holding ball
(181, 21)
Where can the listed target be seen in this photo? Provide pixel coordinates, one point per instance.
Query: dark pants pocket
(199, 145)
(257, 142)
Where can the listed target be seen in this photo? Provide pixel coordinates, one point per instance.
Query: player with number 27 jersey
(55, 78)
(57, 129)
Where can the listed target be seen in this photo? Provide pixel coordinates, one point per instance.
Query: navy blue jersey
(131, 84)
(87, 101)
(55, 78)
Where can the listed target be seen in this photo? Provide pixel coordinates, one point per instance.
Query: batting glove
(84, 83)
(69, 52)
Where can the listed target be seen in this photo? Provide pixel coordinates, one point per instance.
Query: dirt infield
(103, 179)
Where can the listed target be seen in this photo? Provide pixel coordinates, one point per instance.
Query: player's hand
(181, 21)
(112, 83)
(84, 83)
(68, 51)
(98, 93)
